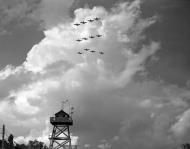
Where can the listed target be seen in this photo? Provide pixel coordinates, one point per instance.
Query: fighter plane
(90, 20)
(78, 40)
(77, 24)
(96, 19)
(92, 51)
(98, 35)
(83, 22)
(91, 37)
(85, 38)
(79, 53)
(86, 49)
(101, 52)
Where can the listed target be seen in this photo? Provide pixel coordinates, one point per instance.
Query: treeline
(32, 145)
(10, 144)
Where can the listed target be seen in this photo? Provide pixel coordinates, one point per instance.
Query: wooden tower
(60, 137)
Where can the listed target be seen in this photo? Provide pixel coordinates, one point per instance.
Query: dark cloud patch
(17, 12)
(14, 47)
(139, 115)
(173, 31)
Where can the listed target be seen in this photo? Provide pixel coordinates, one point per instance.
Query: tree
(185, 146)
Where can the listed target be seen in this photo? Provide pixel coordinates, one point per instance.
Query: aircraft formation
(92, 51)
(89, 20)
(89, 50)
(90, 37)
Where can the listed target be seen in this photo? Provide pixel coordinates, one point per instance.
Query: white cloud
(27, 98)
(104, 145)
(181, 128)
(8, 71)
(87, 145)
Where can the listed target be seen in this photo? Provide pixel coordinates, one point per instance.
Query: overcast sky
(135, 94)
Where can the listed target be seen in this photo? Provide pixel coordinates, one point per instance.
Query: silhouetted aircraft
(86, 49)
(98, 35)
(83, 22)
(92, 51)
(90, 20)
(78, 40)
(96, 19)
(79, 53)
(85, 38)
(101, 52)
(76, 24)
(91, 37)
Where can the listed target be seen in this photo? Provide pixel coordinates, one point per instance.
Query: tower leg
(60, 138)
(51, 138)
(70, 147)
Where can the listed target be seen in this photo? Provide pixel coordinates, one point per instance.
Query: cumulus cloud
(33, 12)
(110, 105)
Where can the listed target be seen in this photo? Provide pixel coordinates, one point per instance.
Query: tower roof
(61, 113)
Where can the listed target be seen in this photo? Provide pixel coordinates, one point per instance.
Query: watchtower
(60, 137)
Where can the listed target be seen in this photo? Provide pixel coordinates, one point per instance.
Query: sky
(135, 94)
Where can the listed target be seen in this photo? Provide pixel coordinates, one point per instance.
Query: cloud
(33, 12)
(181, 128)
(18, 12)
(60, 12)
(7, 71)
(110, 104)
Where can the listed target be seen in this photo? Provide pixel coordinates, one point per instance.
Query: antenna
(63, 102)
(72, 111)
